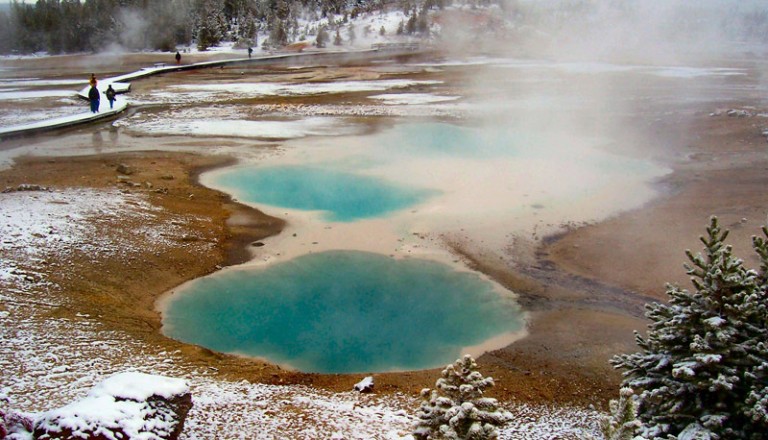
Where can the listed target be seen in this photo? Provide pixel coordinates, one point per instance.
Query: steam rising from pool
(343, 312)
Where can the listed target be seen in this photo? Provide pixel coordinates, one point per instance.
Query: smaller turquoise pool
(345, 197)
(343, 312)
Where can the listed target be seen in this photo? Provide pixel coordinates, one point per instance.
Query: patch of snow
(284, 89)
(263, 129)
(41, 226)
(65, 107)
(105, 411)
(139, 386)
(716, 321)
(364, 385)
(550, 422)
(458, 62)
(206, 93)
(708, 358)
(34, 94)
(412, 98)
(594, 67)
(695, 72)
(82, 116)
(694, 431)
(445, 110)
(684, 369)
(36, 82)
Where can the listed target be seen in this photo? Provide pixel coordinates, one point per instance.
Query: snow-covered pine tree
(410, 26)
(248, 30)
(352, 34)
(622, 423)
(757, 401)
(457, 410)
(278, 35)
(322, 37)
(702, 371)
(211, 23)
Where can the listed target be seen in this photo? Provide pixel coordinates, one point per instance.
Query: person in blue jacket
(93, 96)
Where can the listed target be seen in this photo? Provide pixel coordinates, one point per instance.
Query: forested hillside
(649, 31)
(59, 26)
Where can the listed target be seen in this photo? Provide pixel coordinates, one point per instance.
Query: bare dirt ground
(585, 289)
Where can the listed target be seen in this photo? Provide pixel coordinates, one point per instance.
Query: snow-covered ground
(211, 93)
(65, 108)
(412, 98)
(228, 122)
(38, 225)
(46, 362)
(55, 361)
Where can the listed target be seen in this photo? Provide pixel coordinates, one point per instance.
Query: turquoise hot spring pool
(343, 312)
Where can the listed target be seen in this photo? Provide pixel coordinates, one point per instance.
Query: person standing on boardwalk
(93, 96)
(110, 96)
(178, 57)
(250, 51)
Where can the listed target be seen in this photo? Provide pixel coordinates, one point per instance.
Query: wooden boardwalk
(65, 121)
(121, 83)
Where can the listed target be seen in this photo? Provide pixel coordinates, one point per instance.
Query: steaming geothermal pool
(342, 196)
(353, 284)
(344, 312)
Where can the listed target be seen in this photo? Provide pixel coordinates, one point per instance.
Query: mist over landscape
(288, 230)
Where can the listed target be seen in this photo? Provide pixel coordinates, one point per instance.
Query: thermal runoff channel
(344, 312)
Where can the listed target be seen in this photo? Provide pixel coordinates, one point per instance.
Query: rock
(124, 406)
(27, 187)
(125, 169)
(365, 385)
(738, 113)
(257, 244)
(14, 425)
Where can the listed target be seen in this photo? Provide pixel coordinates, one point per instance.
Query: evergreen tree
(410, 27)
(422, 25)
(457, 410)
(210, 14)
(352, 34)
(703, 367)
(278, 35)
(622, 423)
(322, 37)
